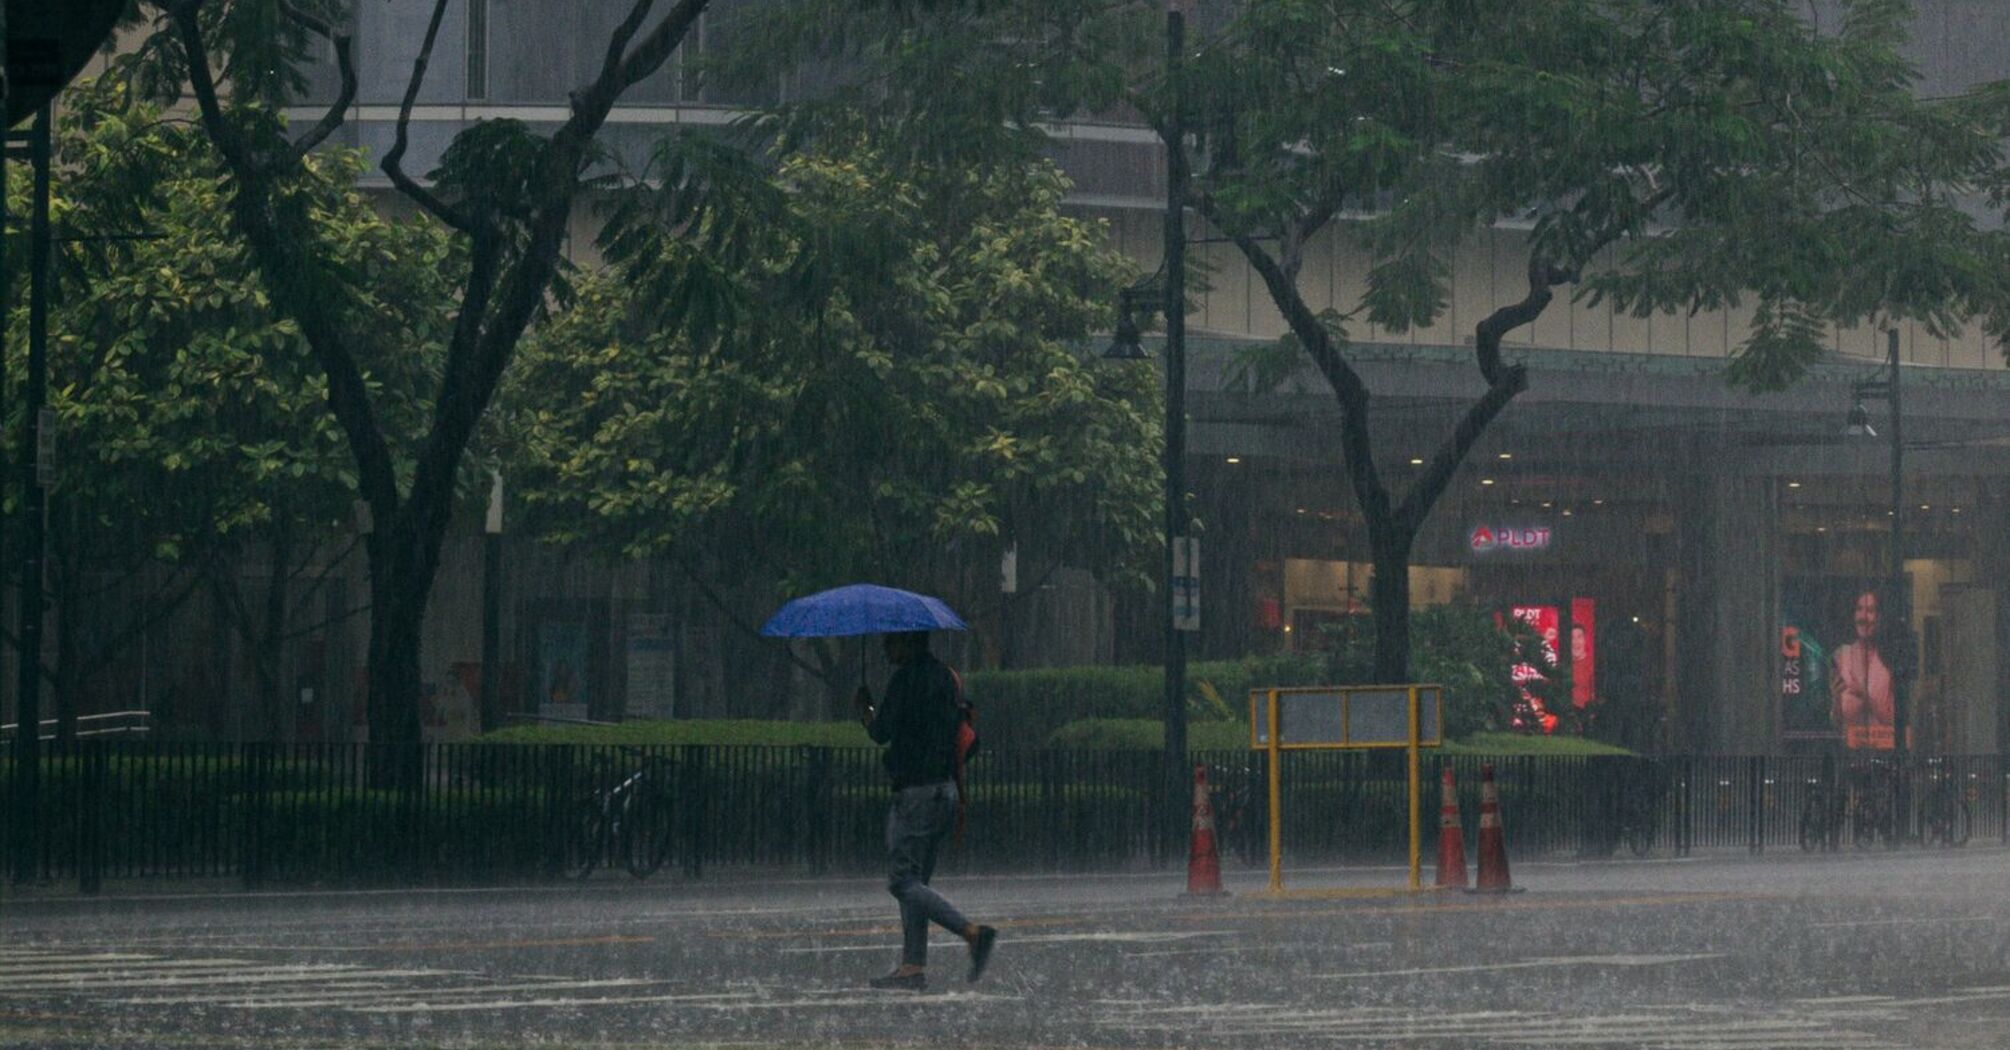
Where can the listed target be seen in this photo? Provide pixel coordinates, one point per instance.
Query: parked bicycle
(634, 821)
(1874, 806)
(1640, 809)
(1824, 811)
(1944, 813)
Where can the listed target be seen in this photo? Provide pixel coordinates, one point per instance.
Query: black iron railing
(113, 808)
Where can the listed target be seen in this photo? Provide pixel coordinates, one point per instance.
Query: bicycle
(1944, 812)
(1640, 811)
(632, 820)
(1874, 810)
(1822, 817)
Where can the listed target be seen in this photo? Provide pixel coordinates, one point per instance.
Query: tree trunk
(397, 612)
(1389, 601)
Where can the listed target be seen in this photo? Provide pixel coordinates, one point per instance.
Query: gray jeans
(915, 827)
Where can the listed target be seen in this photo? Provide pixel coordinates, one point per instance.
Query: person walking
(918, 723)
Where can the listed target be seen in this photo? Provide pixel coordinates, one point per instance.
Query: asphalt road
(1850, 951)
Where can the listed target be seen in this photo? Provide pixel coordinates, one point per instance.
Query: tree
(507, 194)
(1667, 156)
(891, 382)
(188, 411)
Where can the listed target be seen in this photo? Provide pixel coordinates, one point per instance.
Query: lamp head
(1859, 422)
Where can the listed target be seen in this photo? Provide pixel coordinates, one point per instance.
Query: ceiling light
(1793, 484)
(1416, 461)
(1301, 510)
(1821, 528)
(1235, 459)
(1926, 506)
(1486, 481)
(1546, 504)
(1507, 455)
(1566, 512)
(1598, 503)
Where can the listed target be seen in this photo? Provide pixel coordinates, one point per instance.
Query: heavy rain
(1005, 525)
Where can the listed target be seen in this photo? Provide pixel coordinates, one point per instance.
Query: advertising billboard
(1835, 675)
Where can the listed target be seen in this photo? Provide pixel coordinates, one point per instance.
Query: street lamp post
(492, 534)
(1126, 345)
(1896, 609)
(1173, 767)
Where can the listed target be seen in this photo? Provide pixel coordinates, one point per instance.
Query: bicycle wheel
(1863, 827)
(1958, 825)
(585, 842)
(1640, 837)
(646, 835)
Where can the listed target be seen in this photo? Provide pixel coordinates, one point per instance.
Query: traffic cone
(1493, 875)
(1451, 839)
(1203, 864)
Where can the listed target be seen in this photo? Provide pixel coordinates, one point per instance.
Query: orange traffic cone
(1493, 875)
(1203, 864)
(1451, 839)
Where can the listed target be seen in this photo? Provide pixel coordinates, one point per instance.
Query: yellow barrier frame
(1414, 745)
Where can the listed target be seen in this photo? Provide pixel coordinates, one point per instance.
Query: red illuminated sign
(1502, 537)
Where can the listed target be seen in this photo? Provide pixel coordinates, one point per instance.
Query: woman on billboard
(1860, 685)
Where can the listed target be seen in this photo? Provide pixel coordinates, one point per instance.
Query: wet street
(1859, 950)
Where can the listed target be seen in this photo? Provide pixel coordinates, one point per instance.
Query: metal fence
(469, 813)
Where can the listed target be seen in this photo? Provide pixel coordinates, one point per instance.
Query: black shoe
(980, 951)
(903, 982)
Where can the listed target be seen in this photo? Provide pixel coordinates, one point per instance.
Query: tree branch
(393, 163)
(345, 63)
(718, 602)
(1356, 443)
(290, 276)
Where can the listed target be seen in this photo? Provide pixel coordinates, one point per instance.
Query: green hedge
(1024, 708)
(1148, 734)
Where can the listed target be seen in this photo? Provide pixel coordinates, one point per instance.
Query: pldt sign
(1488, 538)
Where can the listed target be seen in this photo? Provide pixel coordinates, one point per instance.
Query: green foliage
(1023, 708)
(1460, 646)
(189, 412)
(872, 378)
(1148, 734)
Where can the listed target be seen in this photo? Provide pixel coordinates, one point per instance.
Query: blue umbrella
(861, 608)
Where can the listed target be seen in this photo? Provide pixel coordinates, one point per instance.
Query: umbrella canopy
(861, 608)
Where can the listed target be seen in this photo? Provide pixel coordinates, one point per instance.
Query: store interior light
(1566, 512)
(1301, 510)
(1598, 503)
(1546, 504)
(1821, 528)
(1507, 455)
(1486, 481)
(1793, 484)
(1416, 461)
(1235, 459)
(1926, 506)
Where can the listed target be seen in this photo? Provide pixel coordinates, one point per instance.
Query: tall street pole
(1901, 658)
(492, 535)
(28, 668)
(1174, 764)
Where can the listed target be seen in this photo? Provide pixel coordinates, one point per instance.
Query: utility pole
(1174, 772)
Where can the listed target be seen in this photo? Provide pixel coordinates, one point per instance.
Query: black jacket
(917, 721)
